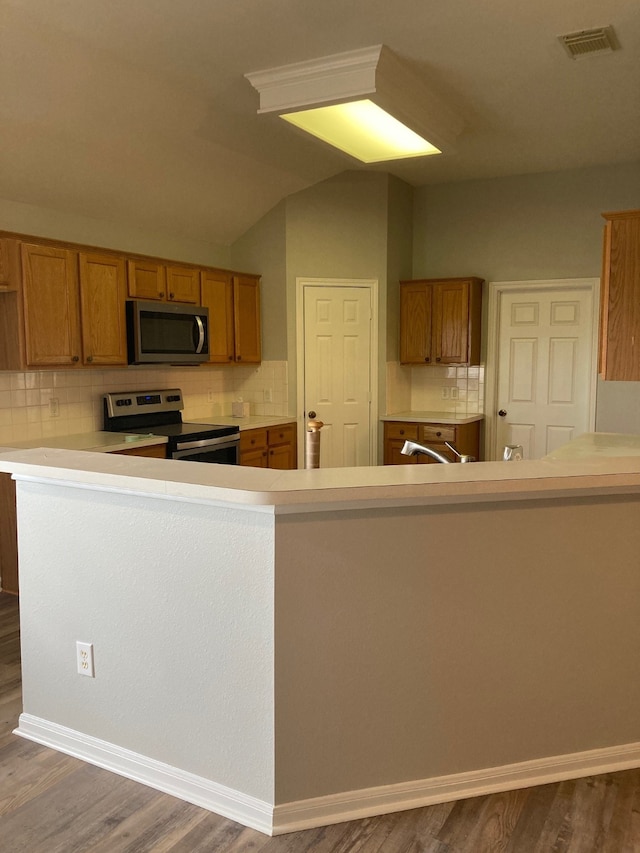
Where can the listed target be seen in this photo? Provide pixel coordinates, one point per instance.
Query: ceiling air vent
(585, 42)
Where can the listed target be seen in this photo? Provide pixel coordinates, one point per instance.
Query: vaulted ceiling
(138, 111)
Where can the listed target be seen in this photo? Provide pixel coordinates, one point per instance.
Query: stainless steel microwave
(167, 333)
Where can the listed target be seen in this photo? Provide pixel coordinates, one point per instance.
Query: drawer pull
(401, 432)
(438, 434)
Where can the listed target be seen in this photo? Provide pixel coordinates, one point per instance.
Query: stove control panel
(121, 403)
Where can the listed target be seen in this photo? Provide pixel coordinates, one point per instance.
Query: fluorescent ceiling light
(372, 80)
(364, 130)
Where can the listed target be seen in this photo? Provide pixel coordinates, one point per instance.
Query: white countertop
(96, 442)
(432, 417)
(334, 488)
(250, 422)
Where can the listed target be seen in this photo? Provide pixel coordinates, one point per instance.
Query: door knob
(502, 413)
(312, 415)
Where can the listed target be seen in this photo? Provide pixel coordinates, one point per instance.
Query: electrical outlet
(446, 393)
(54, 407)
(454, 393)
(268, 395)
(84, 658)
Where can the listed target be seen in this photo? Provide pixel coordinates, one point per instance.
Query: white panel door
(337, 375)
(545, 369)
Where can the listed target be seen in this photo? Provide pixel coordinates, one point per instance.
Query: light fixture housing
(345, 98)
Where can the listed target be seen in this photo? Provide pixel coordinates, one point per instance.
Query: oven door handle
(225, 440)
(200, 325)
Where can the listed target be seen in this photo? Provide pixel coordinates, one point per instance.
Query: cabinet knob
(89, 359)
(438, 358)
(239, 358)
(171, 295)
(401, 432)
(230, 358)
(75, 358)
(160, 294)
(427, 358)
(438, 434)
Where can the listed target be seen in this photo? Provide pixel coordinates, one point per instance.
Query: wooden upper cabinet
(415, 323)
(103, 292)
(51, 309)
(9, 265)
(183, 285)
(217, 296)
(163, 282)
(246, 316)
(440, 321)
(146, 280)
(234, 317)
(620, 298)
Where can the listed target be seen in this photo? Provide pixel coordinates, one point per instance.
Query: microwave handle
(200, 343)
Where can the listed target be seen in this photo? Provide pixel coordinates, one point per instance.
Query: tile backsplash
(435, 389)
(38, 404)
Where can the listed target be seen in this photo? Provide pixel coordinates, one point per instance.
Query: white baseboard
(224, 801)
(353, 805)
(334, 808)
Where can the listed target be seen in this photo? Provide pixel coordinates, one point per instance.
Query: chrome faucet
(411, 448)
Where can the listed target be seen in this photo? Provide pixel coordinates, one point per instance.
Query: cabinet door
(415, 323)
(246, 307)
(52, 318)
(395, 435)
(282, 447)
(103, 292)
(9, 265)
(146, 280)
(217, 296)
(255, 458)
(450, 334)
(282, 457)
(8, 535)
(620, 297)
(183, 285)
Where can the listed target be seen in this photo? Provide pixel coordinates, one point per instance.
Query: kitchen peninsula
(296, 648)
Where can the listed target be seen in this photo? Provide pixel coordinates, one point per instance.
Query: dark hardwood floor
(51, 803)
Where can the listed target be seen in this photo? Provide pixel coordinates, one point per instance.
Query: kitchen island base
(316, 666)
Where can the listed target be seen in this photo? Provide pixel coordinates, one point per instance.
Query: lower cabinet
(8, 535)
(464, 437)
(269, 447)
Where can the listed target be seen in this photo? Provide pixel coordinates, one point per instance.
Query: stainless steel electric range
(160, 413)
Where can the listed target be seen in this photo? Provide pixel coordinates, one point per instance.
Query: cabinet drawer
(393, 429)
(252, 439)
(284, 434)
(438, 433)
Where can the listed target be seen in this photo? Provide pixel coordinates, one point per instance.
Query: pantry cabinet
(440, 321)
(272, 447)
(620, 298)
(464, 437)
(234, 316)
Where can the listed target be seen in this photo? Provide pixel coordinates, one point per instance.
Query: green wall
(263, 250)
(58, 225)
(526, 228)
(520, 228)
